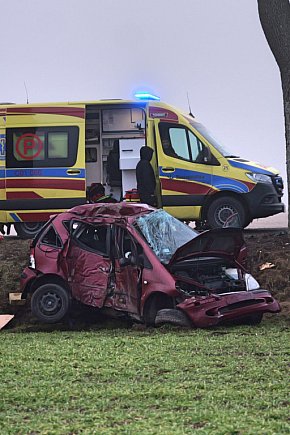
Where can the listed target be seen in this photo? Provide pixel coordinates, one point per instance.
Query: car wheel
(172, 316)
(226, 212)
(50, 303)
(156, 303)
(27, 230)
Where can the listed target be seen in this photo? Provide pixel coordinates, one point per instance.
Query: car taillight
(31, 259)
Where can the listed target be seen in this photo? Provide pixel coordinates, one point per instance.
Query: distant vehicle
(142, 263)
(51, 155)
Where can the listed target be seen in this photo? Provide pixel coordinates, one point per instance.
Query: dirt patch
(14, 256)
(263, 247)
(271, 247)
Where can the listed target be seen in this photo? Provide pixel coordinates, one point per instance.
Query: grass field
(164, 381)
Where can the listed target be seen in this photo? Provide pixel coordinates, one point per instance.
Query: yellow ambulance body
(50, 154)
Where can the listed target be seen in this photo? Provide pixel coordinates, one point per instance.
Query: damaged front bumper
(206, 311)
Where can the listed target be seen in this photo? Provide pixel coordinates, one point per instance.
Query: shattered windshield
(164, 233)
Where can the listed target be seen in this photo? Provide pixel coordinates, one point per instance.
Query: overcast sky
(69, 50)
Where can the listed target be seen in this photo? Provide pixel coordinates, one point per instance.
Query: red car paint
(99, 255)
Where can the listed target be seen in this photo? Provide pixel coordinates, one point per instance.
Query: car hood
(218, 242)
(248, 165)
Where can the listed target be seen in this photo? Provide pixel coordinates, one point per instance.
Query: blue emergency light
(146, 96)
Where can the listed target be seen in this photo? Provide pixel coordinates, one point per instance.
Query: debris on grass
(266, 265)
(4, 319)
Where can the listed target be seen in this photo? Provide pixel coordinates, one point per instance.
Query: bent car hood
(220, 241)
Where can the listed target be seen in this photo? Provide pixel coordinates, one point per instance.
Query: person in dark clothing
(96, 193)
(113, 166)
(145, 176)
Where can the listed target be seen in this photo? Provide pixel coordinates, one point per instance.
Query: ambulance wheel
(50, 303)
(27, 230)
(226, 211)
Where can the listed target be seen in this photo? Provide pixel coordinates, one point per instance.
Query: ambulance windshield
(209, 137)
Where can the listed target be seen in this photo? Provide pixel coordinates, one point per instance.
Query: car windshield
(164, 233)
(210, 138)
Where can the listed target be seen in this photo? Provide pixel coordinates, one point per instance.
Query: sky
(75, 50)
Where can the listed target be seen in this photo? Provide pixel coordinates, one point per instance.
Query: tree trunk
(275, 20)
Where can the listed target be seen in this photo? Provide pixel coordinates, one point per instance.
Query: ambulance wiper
(232, 157)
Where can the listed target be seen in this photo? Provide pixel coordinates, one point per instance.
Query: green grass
(165, 381)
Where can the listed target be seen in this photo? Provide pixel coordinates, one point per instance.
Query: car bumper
(27, 277)
(264, 201)
(212, 310)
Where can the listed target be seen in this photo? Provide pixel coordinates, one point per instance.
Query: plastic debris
(267, 266)
(4, 319)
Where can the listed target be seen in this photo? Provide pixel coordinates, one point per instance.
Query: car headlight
(259, 178)
(251, 282)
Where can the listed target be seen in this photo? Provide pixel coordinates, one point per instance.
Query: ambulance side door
(45, 158)
(184, 168)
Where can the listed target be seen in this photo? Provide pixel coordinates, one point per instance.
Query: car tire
(172, 316)
(156, 303)
(50, 303)
(220, 211)
(27, 230)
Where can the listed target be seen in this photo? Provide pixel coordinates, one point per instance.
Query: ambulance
(52, 154)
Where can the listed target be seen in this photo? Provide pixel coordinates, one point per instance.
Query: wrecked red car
(136, 261)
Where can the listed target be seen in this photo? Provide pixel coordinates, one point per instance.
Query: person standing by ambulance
(146, 182)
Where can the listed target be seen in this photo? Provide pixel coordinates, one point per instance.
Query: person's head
(146, 153)
(96, 190)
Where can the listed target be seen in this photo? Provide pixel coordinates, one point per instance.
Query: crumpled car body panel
(214, 310)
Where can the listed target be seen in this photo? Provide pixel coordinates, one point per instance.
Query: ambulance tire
(220, 210)
(50, 303)
(27, 230)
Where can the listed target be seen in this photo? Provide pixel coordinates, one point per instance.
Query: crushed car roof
(119, 210)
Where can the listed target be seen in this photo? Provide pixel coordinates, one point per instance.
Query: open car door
(185, 171)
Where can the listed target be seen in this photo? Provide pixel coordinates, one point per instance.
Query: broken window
(51, 238)
(93, 238)
(164, 233)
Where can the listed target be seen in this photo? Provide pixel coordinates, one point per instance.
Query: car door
(127, 272)
(89, 263)
(185, 174)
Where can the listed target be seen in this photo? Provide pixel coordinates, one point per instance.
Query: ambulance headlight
(259, 178)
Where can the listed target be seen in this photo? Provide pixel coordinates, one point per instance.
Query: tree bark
(275, 20)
